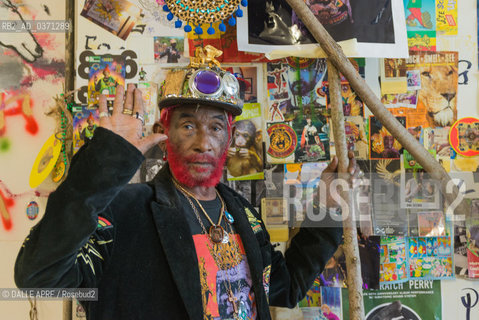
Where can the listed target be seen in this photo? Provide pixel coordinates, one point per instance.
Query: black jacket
(144, 264)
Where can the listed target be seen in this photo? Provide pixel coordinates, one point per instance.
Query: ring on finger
(127, 111)
(360, 174)
(104, 115)
(139, 117)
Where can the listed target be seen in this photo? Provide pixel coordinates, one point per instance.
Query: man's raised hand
(124, 121)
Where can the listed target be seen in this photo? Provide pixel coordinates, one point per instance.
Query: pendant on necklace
(226, 238)
(229, 217)
(216, 233)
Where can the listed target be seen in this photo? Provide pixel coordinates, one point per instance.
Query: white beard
(444, 117)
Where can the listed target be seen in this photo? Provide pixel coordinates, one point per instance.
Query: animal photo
(245, 155)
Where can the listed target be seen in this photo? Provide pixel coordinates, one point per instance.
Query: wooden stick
(341, 62)
(350, 247)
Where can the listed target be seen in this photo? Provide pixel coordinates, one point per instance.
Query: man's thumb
(151, 140)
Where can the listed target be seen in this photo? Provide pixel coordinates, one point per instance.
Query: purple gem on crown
(207, 81)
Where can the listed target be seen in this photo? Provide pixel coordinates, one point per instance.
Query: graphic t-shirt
(221, 268)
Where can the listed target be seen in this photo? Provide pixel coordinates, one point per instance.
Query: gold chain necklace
(216, 231)
(224, 266)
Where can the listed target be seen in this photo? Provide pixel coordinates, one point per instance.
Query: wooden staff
(350, 246)
(341, 62)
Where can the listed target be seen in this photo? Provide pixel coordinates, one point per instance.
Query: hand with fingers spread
(127, 118)
(331, 173)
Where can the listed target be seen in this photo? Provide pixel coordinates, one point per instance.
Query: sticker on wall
(282, 140)
(464, 137)
(32, 210)
(45, 161)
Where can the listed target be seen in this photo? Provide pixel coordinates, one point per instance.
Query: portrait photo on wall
(311, 129)
(106, 73)
(382, 144)
(170, 50)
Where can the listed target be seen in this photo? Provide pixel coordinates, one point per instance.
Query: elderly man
(183, 246)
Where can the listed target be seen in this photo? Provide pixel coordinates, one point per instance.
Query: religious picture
(116, 16)
(85, 122)
(170, 50)
(107, 72)
(382, 144)
(245, 155)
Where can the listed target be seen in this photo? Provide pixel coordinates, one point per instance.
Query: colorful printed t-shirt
(233, 273)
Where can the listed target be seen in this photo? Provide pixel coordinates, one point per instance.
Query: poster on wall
(421, 24)
(412, 300)
(382, 144)
(377, 29)
(437, 98)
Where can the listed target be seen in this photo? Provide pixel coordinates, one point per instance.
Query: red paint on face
(197, 144)
(180, 165)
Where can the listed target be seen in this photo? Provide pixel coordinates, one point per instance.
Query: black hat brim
(235, 110)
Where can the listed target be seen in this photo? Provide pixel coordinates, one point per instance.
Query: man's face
(106, 73)
(197, 144)
(90, 122)
(388, 142)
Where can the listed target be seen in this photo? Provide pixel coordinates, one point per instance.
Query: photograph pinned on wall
(393, 76)
(85, 122)
(116, 16)
(430, 258)
(421, 24)
(356, 137)
(419, 190)
(378, 29)
(312, 130)
(170, 50)
(460, 249)
(431, 223)
(382, 144)
(106, 73)
(413, 80)
(400, 100)
(245, 155)
(393, 260)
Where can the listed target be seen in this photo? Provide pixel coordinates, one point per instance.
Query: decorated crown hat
(203, 82)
